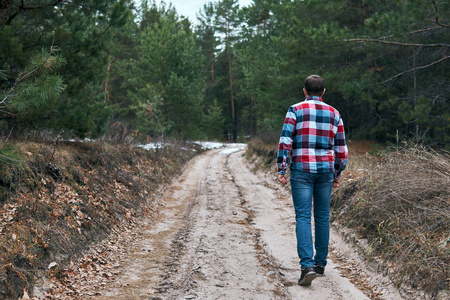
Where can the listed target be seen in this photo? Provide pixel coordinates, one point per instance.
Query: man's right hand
(282, 178)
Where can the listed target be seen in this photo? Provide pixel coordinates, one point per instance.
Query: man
(313, 135)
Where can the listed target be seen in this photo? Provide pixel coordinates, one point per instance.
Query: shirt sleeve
(340, 150)
(285, 144)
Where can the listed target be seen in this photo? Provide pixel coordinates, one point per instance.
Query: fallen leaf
(25, 295)
(52, 265)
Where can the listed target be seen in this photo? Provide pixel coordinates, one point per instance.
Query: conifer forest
(92, 68)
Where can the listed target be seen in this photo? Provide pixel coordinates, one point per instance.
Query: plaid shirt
(313, 134)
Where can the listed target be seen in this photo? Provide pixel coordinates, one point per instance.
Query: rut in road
(221, 255)
(223, 233)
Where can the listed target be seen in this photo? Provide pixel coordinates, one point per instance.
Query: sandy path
(226, 233)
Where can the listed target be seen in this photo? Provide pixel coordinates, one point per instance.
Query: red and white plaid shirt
(313, 135)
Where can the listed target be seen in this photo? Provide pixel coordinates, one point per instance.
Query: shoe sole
(306, 281)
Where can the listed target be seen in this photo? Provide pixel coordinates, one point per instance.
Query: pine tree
(227, 23)
(173, 62)
(214, 122)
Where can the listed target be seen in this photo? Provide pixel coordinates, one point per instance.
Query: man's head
(314, 86)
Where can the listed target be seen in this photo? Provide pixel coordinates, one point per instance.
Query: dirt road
(227, 233)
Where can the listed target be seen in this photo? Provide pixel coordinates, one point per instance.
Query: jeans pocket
(300, 176)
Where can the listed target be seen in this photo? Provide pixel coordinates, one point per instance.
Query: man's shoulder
(314, 105)
(331, 108)
(300, 105)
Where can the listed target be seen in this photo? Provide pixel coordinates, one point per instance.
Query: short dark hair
(314, 85)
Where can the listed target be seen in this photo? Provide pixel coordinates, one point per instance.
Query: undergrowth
(261, 154)
(55, 202)
(402, 207)
(399, 200)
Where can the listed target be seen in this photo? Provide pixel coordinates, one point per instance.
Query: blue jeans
(304, 186)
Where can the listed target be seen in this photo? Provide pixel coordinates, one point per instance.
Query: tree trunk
(232, 97)
(107, 93)
(212, 64)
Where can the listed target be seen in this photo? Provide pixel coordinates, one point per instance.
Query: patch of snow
(203, 144)
(209, 145)
(152, 146)
(234, 148)
(230, 150)
(81, 141)
(240, 145)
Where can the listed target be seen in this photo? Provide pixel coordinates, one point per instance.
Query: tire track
(225, 257)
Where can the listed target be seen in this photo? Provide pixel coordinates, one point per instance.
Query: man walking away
(313, 138)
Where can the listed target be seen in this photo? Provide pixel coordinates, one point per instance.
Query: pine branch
(24, 77)
(396, 43)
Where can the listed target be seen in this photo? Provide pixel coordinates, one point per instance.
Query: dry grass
(262, 154)
(57, 201)
(400, 202)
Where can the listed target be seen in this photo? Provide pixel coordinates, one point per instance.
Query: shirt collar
(314, 98)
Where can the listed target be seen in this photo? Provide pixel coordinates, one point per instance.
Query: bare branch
(414, 32)
(10, 132)
(396, 43)
(425, 29)
(418, 68)
(9, 94)
(102, 34)
(7, 158)
(23, 8)
(438, 21)
(6, 112)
